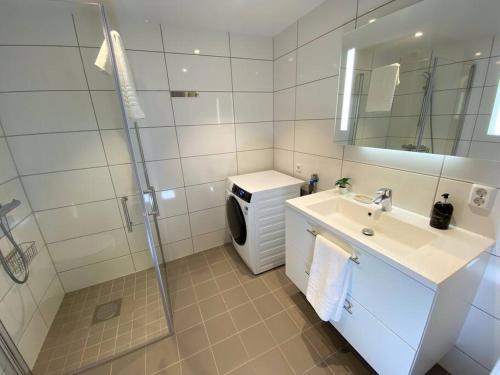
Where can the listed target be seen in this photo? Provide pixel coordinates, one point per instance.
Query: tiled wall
(305, 83)
(62, 122)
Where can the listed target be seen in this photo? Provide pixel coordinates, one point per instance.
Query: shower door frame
(162, 281)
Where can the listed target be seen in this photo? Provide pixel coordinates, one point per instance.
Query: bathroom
(131, 262)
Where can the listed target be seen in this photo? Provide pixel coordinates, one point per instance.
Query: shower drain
(107, 311)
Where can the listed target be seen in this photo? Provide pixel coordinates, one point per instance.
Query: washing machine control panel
(239, 192)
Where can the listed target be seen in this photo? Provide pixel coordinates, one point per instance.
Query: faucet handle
(384, 192)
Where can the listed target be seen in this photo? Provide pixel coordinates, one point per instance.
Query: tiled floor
(230, 322)
(74, 342)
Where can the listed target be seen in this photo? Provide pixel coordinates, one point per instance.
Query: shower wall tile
(107, 109)
(14, 190)
(203, 169)
(57, 152)
(51, 301)
(27, 68)
(178, 249)
(148, 69)
(174, 229)
(207, 108)
(253, 107)
(314, 100)
(201, 197)
(251, 46)
(26, 231)
(284, 104)
(171, 202)
(97, 79)
(70, 222)
(46, 112)
(139, 35)
(124, 180)
(87, 250)
(285, 41)
(285, 71)
(115, 146)
(157, 108)
(206, 139)
(255, 161)
(159, 143)
(252, 75)
(208, 220)
(32, 340)
(209, 240)
(16, 310)
(252, 136)
(59, 189)
(41, 274)
(7, 167)
(215, 43)
(165, 174)
(189, 72)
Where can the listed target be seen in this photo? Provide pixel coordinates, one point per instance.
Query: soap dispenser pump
(441, 213)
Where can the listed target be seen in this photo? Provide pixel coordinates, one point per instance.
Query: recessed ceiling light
(418, 34)
(184, 70)
(196, 51)
(372, 20)
(146, 20)
(479, 53)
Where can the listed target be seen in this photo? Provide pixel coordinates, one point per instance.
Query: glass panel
(92, 291)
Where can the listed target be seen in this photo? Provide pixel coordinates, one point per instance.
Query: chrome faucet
(383, 197)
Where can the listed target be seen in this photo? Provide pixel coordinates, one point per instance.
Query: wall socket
(298, 168)
(482, 197)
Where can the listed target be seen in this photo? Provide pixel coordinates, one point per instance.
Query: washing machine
(255, 211)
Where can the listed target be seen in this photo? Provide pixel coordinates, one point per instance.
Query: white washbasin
(390, 232)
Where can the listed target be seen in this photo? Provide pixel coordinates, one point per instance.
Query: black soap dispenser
(441, 213)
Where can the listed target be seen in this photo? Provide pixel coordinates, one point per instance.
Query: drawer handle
(348, 306)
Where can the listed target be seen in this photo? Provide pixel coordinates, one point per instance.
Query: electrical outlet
(481, 196)
(298, 168)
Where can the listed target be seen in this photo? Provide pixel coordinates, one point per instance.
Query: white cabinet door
(299, 249)
(378, 345)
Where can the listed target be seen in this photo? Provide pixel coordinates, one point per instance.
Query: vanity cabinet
(388, 316)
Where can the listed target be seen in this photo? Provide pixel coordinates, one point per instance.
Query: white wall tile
(139, 35)
(107, 109)
(252, 75)
(174, 229)
(157, 108)
(66, 188)
(479, 337)
(255, 161)
(464, 216)
(90, 249)
(315, 137)
(124, 180)
(7, 167)
(40, 68)
(285, 41)
(366, 179)
(207, 108)
(472, 170)
(284, 134)
(284, 104)
(250, 46)
(171, 202)
(285, 71)
(137, 239)
(88, 25)
(320, 58)
(57, 152)
(457, 362)
(115, 146)
(44, 112)
(414, 162)
(208, 220)
(165, 174)
(488, 293)
(32, 23)
(283, 161)
(178, 249)
(201, 197)
(209, 240)
(69, 222)
(41, 274)
(328, 16)
(33, 339)
(189, 72)
(206, 139)
(97, 79)
(16, 310)
(485, 150)
(148, 69)
(83, 277)
(14, 190)
(253, 107)
(203, 169)
(367, 5)
(316, 100)
(142, 260)
(49, 305)
(252, 136)
(327, 169)
(159, 143)
(26, 231)
(207, 42)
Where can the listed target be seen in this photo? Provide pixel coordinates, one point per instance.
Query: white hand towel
(103, 62)
(383, 84)
(328, 279)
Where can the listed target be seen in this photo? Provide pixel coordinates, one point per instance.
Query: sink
(390, 232)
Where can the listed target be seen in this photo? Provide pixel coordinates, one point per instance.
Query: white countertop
(448, 252)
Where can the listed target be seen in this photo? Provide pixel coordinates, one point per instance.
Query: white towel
(103, 62)
(328, 279)
(383, 84)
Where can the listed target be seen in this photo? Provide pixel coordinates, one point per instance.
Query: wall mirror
(424, 79)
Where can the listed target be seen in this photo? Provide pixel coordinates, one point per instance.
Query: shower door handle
(126, 213)
(154, 203)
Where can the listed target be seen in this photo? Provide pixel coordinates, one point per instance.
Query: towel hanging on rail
(127, 85)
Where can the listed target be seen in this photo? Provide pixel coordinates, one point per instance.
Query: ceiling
(255, 17)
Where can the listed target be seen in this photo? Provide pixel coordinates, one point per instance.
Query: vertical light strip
(494, 128)
(346, 103)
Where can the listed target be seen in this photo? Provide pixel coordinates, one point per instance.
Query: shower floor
(75, 340)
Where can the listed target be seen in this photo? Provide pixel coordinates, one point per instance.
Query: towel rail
(353, 258)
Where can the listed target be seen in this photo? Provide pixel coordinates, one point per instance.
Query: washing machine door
(236, 220)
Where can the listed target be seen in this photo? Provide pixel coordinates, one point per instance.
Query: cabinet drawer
(377, 344)
(401, 303)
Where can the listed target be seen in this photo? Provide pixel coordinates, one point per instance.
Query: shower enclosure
(73, 161)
